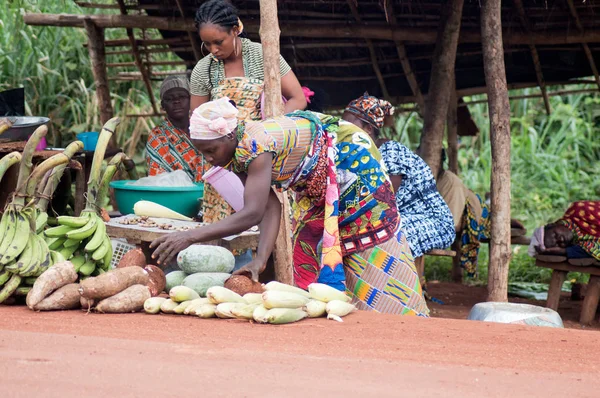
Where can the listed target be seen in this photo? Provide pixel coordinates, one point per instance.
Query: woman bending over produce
(346, 225)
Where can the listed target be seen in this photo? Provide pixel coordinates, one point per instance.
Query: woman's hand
(169, 245)
(253, 269)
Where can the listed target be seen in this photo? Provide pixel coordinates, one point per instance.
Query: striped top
(288, 138)
(209, 71)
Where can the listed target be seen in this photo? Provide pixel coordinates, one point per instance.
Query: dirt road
(135, 355)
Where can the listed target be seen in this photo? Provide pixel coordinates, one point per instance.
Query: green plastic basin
(184, 200)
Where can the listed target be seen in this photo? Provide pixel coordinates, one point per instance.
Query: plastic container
(89, 139)
(23, 127)
(228, 185)
(521, 314)
(184, 200)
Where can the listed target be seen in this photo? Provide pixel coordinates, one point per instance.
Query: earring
(235, 51)
(202, 49)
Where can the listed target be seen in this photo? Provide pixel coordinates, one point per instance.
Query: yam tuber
(65, 298)
(129, 300)
(55, 277)
(157, 280)
(133, 258)
(242, 285)
(113, 282)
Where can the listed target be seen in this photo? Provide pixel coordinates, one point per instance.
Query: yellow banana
(84, 232)
(20, 239)
(98, 237)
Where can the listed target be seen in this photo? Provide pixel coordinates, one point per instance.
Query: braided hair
(217, 12)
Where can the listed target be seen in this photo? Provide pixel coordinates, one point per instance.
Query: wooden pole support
(440, 85)
(554, 289)
(452, 133)
(499, 109)
(97, 54)
(590, 302)
(269, 36)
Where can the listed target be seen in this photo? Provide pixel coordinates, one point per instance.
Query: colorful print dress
(583, 219)
(346, 225)
(426, 218)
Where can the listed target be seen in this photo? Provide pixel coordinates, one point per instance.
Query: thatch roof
(330, 50)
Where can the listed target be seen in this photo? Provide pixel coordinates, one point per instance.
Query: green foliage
(554, 161)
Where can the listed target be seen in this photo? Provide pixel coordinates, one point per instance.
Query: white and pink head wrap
(213, 120)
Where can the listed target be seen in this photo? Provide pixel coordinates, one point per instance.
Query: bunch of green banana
(83, 241)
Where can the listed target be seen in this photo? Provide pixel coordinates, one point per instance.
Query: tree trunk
(499, 111)
(452, 133)
(269, 36)
(97, 54)
(441, 84)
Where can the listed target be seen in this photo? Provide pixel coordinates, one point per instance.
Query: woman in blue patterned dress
(426, 218)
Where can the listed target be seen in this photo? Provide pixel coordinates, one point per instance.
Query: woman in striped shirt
(234, 67)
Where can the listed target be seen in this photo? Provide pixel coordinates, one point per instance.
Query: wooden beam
(193, 36)
(138, 59)
(499, 109)
(404, 61)
(269, 37)
(534, 54)
(329, 31)
(586, 47)
(440, 85)
(372, 53)
(154, 63)
(97, 55)
(528, 96)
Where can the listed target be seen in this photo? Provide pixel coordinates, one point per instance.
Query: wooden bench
(560, 267)
(420, 261)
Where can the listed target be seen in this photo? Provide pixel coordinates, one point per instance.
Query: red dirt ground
(136, 355)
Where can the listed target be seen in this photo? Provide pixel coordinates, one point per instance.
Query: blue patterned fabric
(426, 218)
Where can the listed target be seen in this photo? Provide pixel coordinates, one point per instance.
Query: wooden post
(97, 54)
(269, 36)
(590, 302)
(440, 85)
(499, 110)
(452, 133)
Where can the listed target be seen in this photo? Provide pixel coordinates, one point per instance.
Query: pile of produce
(279, 304)
(29, 245)
(120, 290)
(202, 267)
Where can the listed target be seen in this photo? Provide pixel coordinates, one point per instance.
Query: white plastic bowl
(522, 314)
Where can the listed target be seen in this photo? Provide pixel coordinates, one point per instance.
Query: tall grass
(555, 160)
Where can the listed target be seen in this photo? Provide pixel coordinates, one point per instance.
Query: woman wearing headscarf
(234, 68)
(346, 225)
(169, 147)
(576, 234)
(426, 218)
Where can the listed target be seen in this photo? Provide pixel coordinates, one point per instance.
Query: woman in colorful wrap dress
(346, 225)
(426, 218)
